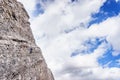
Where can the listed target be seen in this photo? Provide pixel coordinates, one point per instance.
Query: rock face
(20, 57)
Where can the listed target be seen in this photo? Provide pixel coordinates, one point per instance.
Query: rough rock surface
(20, 57)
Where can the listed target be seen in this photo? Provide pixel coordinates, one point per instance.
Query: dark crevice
(31, 50)
(17, 40)
(1, 38)
(13, 75)
(14, 16)
(1, 10)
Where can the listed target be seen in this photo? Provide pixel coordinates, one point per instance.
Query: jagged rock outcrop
(20, 57)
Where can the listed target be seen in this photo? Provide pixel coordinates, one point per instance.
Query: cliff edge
(20, 57)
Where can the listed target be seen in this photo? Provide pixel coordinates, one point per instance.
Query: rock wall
(20, 57)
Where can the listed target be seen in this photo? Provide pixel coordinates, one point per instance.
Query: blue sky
(78, 37)
(38, 10)
(90, 46)
(109, 9)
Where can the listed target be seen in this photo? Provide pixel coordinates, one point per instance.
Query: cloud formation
(62, 29)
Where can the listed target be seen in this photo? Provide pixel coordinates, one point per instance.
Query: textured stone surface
(20, 58)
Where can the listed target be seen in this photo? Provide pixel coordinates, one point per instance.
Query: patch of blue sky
(38, 10)
(74, 0)
(108, 60)
(90, 45)
(109, 9)
(93, 44)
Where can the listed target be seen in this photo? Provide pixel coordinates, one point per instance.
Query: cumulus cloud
(68, 67)
(62, 15)
(109, 28)
(62, 29)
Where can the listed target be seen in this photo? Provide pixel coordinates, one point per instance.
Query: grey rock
(20, 57)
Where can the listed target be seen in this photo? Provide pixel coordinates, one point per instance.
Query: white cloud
(58, 51)
(57, 46)
(91, 74)
(62, 15)
(109, 28)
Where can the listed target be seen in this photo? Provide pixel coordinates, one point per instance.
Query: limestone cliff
(20, 57)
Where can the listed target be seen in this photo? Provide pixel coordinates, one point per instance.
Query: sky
(78, 38)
